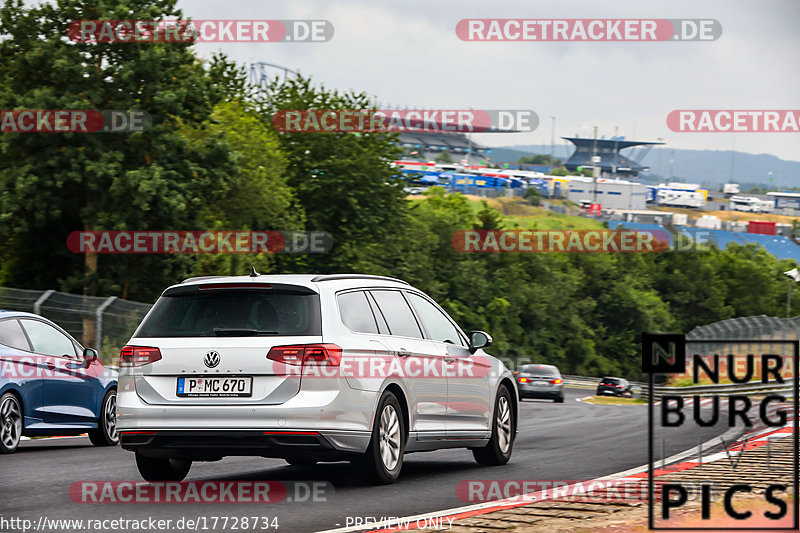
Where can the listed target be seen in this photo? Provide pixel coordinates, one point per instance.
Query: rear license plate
(203, 386)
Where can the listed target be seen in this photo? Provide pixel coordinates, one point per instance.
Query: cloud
(407, 53)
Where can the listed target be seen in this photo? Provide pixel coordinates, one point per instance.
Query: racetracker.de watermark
(289, 362)
(16, 367)
(73, 121)
(208, 492)
(200, 31)
(400, 120)
(734, 120)
(560, 241)
(533, 490)
(588, 30)
(199, 242)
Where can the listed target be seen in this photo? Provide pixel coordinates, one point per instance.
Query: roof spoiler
(334, 277)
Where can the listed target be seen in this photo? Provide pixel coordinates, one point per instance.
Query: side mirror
(479, 339)
(90, 355)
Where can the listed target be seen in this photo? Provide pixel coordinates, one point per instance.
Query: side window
(47, 340)
(11, 335)
(356, 313)
(438, 325)
(383, 327)
(397, 313)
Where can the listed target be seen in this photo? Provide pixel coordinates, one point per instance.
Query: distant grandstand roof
(452, 142)
(751, 327)
(611, 161)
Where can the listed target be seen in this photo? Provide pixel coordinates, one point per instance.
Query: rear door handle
(51, 365)
(449, 360)
(403, 353)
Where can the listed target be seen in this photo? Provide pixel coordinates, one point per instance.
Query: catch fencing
(751, 388)
(752, 334)
(104, 323)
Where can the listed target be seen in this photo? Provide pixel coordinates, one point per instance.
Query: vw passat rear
(308, 368)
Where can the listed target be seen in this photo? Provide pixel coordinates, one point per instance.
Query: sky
(407, 53)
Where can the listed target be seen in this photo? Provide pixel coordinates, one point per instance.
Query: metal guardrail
(101, 322)
(580, 381)
(591, 383)
(725, 388)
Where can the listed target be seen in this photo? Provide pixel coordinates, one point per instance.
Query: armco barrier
(591, 383)
(753, 387)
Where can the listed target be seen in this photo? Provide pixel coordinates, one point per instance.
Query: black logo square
(663, 353)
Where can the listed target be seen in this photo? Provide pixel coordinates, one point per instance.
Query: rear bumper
(341, 420)
(609, 392)
(540, 391)
(214, 444)
(540, 394)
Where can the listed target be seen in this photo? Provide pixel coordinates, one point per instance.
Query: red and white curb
(753, 439)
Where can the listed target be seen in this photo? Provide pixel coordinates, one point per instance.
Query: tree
(444, 157)
(488, 218)
(539, 159)
(559, 171)
(343, 180)
(533, 195)
(256, 196)
(52, 184)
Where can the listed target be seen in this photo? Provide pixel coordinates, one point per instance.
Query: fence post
(99, 322)
(37, 305)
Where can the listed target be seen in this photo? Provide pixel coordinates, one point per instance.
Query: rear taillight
(307, 354)
(556, 381)
(138, 355)
(523, 380)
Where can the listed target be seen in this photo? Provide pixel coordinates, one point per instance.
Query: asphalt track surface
(569, 441)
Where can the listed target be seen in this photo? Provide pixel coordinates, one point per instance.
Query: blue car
(51, 385)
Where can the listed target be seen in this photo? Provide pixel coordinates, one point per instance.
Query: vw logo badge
(211, 359)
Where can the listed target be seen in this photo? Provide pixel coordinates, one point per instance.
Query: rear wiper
(237, 332)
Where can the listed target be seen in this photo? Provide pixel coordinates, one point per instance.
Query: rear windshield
(611, 381)
(233, 313)
(539, 370)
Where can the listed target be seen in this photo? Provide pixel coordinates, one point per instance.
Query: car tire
(383, 460)
(299, 460)
(559, 399)
(498, 450)
(158, 469)
(10, 423)
(106, 432)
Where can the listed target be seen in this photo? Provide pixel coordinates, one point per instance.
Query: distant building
(610, 194)
(612, 162)
(429, 145)
(789, 202)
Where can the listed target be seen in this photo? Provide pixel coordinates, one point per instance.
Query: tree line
(212, 160)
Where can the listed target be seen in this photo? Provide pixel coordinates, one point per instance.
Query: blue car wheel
(106, 432)
(10, 423)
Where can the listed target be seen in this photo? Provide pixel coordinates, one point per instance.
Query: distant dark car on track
(615, 387)
(51, 385)
(540, 381)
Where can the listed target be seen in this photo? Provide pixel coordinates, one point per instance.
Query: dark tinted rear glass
(198, 314)
(610, 381)
(539, 370)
